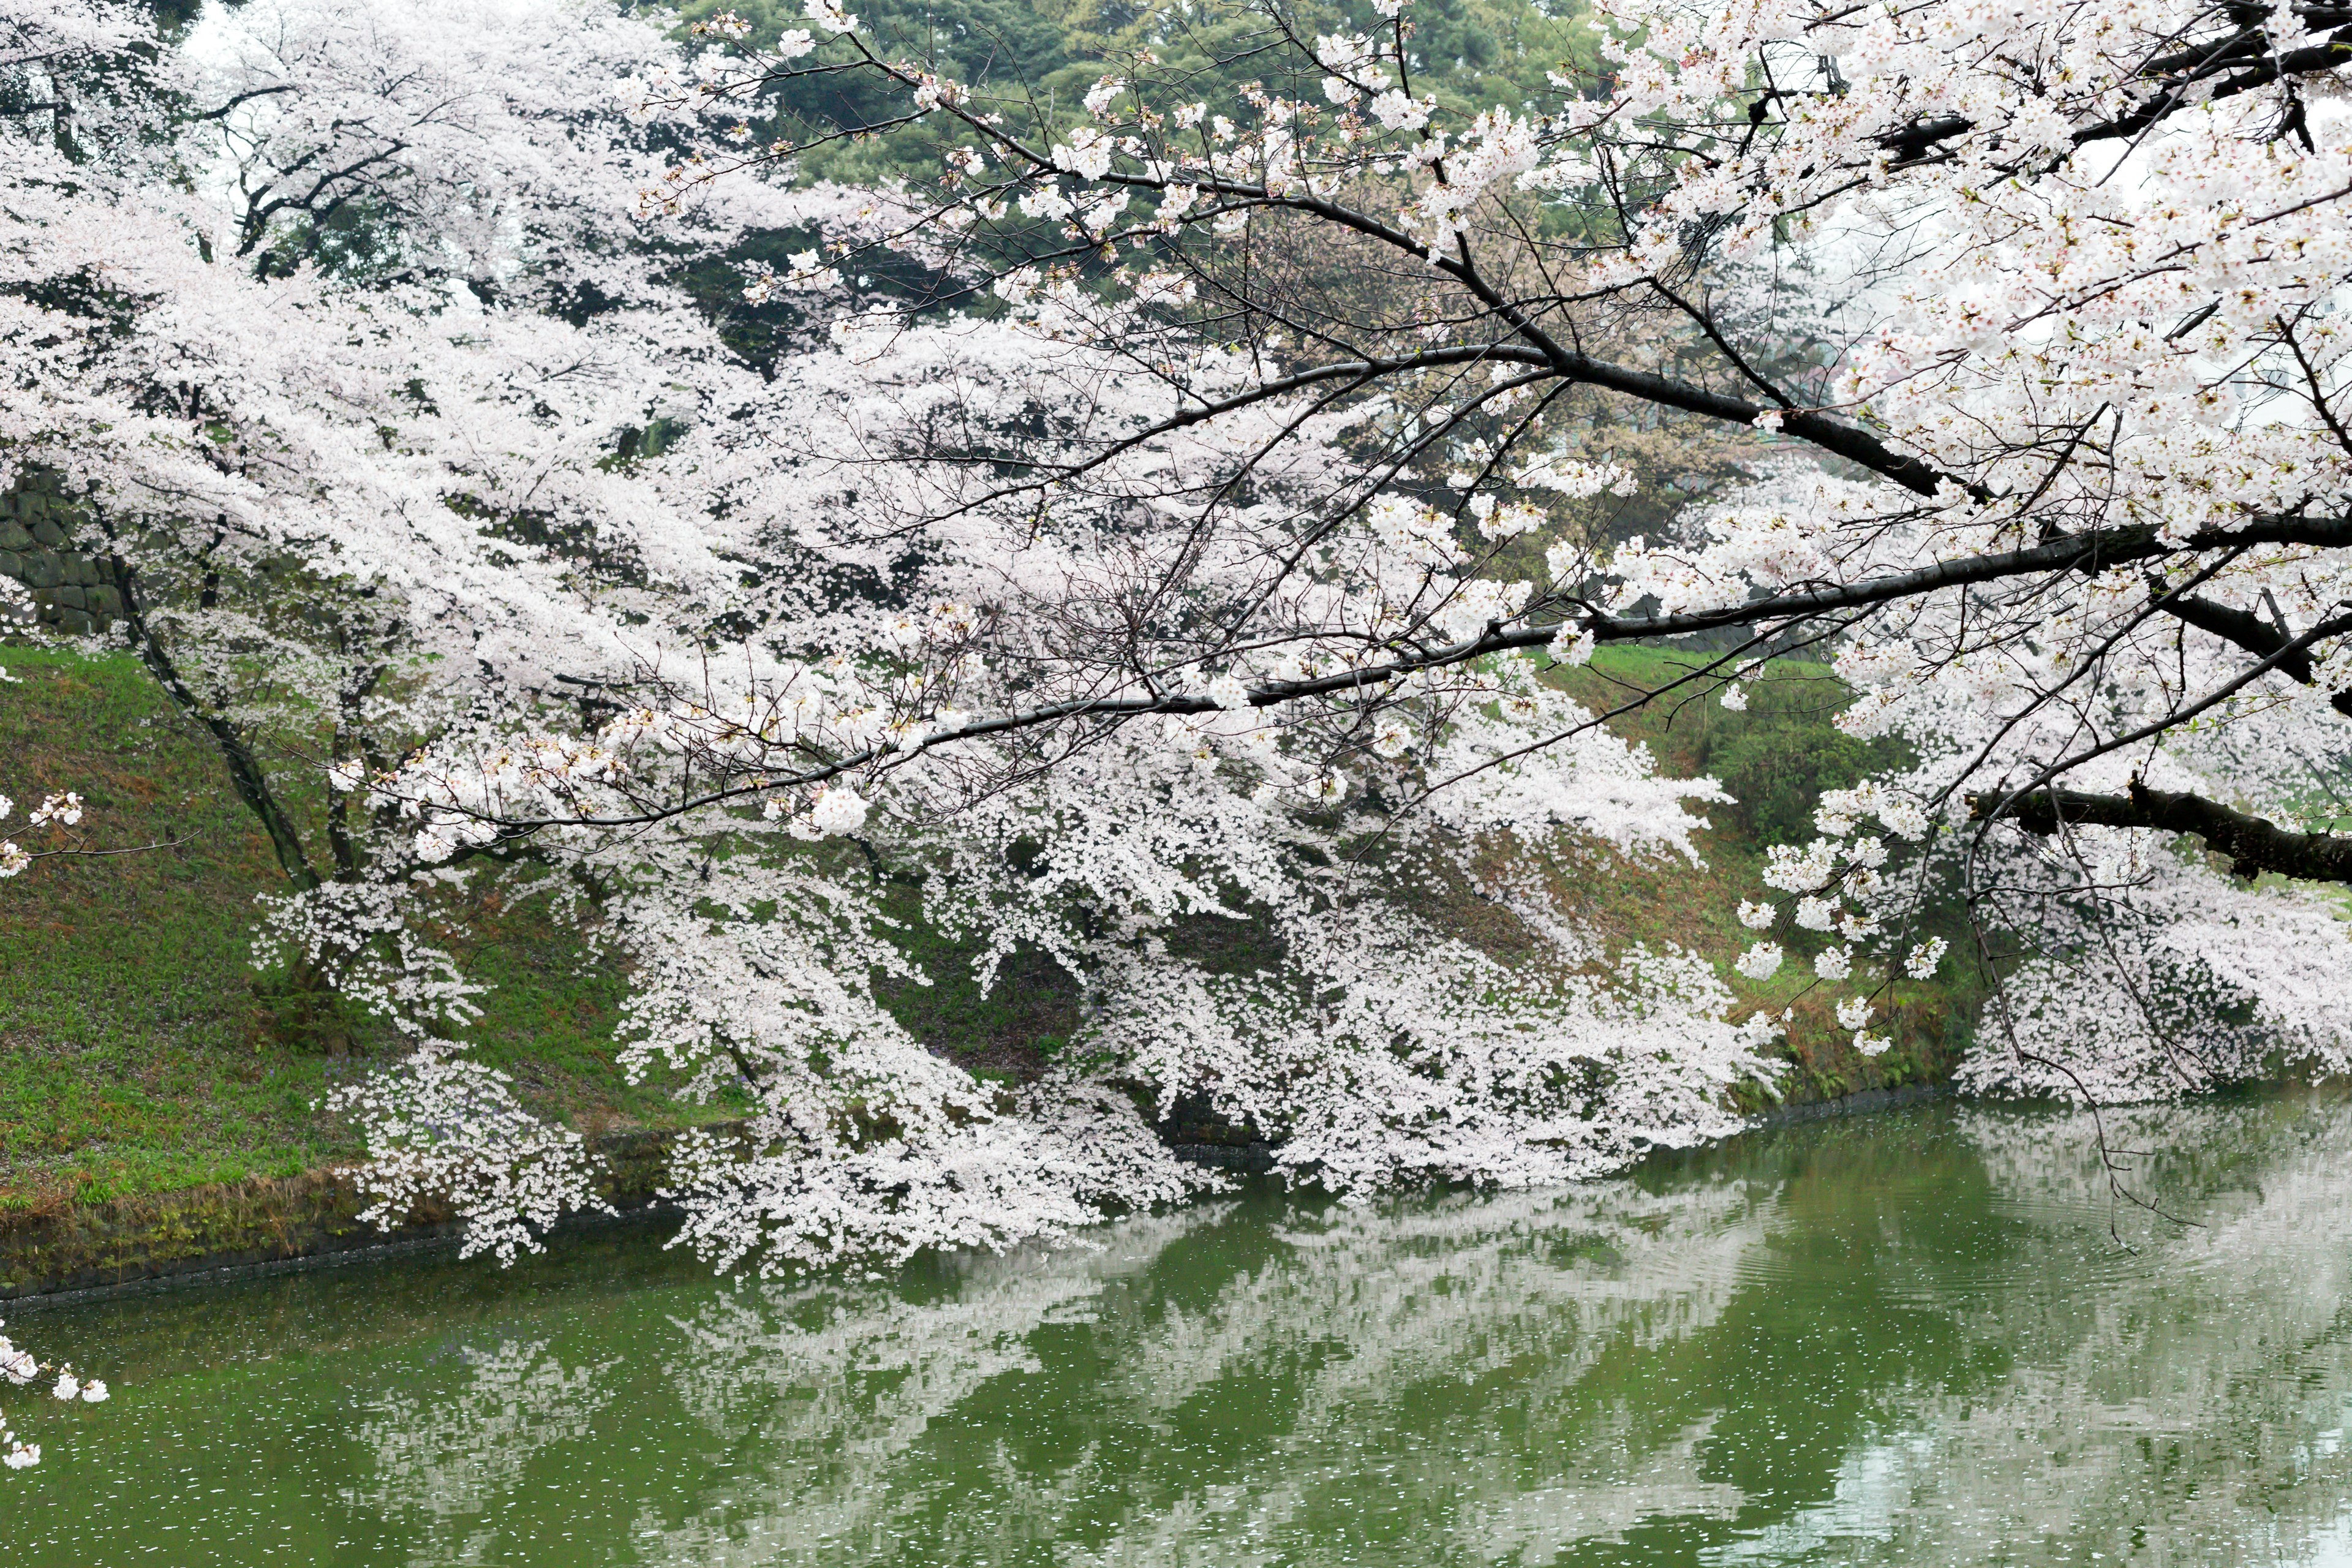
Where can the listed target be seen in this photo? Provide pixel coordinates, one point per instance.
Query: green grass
(130, 1057)
(138, 1054)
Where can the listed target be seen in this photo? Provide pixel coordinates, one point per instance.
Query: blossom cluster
(60, 809)
(443, 1129)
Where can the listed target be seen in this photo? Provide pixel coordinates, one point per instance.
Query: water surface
(1908, 1339)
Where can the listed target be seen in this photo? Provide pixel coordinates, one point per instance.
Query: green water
(1908, 1339)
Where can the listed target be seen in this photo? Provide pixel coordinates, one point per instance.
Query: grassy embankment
(138, 1055)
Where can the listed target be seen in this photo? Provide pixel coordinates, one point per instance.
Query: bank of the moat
(260, 1224)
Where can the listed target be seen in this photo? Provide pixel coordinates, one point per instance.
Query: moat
(1938, 1335)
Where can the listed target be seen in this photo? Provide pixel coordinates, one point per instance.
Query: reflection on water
(1904, 1339)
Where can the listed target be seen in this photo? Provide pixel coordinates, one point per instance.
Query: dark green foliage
(1779, 756)
(1033, 65)
(1776, 756)
(1044, 57)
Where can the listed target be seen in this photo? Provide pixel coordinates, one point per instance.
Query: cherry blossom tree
(1174, 517)
(278, 303)
(405, 519)
(2052, 454)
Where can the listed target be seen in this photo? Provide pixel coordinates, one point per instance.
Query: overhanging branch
(2090, 554)
(2256, 635)
(2252, 844)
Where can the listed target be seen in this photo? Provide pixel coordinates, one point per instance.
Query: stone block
(76, 622)
(70, 595)
(15, 535)
(46, 532)
(43, 569)
(104, 599)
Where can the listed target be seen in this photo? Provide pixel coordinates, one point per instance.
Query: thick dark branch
(2089, 553)
(2253, 844)
(238, 101)
(2244, 628)
(1850, 442)
(2179, 81)
(2264, 67)
(2100, 553)
(2256, 635)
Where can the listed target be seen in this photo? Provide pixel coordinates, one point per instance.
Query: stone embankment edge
(1867, 1101)
(66, 589)
(313, 1220)
(1257, 1159)
(264, 1226)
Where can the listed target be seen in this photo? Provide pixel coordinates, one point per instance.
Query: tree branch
(2256, 635)
(2252, 844)
(2093, 553)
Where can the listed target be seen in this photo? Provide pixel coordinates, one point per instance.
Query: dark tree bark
(2254, 635)
(2255, 846)
(252, 785)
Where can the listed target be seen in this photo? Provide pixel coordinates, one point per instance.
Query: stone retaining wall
(38, 527)
(278, 1223)
(84, 1246)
